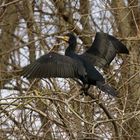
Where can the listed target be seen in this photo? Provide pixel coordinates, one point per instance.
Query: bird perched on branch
(71, 65)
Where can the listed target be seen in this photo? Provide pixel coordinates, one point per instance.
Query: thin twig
(10, 3)
(110, 117)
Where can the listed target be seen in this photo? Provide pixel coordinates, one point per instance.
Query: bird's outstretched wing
(104, 49)
(54, 65)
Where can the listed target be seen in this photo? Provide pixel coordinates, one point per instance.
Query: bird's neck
(71, 49)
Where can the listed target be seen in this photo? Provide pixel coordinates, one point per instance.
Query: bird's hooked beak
(65, 38)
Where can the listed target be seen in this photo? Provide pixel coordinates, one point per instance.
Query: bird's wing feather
(104, 49)
(54, 65)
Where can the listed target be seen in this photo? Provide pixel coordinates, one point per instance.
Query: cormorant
(72, 65)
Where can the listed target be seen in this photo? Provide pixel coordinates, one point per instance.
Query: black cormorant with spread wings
(71, 65)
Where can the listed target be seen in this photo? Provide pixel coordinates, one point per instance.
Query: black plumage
(104, 49)
(72, 65)
(54, 65)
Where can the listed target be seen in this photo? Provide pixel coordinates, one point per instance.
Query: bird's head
(69, 38)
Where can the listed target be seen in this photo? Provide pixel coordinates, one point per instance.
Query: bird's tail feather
(106, 88)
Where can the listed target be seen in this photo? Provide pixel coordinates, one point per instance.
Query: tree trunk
(9, 21)
(128, 26)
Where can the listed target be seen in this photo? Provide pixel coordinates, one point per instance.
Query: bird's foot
(84, 90)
